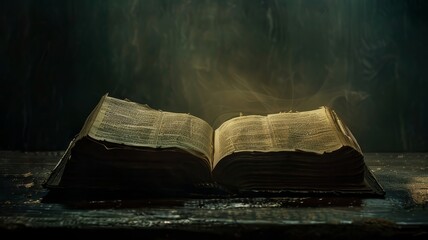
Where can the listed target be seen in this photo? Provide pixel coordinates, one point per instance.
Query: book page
(133, 124)
(247, 133)
(186, 131)
(311, 131)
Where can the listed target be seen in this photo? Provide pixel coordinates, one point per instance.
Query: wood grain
(26, 208)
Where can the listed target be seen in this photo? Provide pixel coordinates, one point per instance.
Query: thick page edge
(53, 182)
(371, 189)
(55, 176)
(373, 182)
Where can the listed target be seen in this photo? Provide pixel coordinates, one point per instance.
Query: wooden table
(402, 213)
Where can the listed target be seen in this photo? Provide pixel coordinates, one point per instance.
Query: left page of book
(129, 123)
(246, 133)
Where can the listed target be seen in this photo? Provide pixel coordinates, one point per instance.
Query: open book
(124, 145)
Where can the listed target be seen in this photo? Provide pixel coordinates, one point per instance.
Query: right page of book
(315, 131)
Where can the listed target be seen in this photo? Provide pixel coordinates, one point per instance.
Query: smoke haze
(217, 60)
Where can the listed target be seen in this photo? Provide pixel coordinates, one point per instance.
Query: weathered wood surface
(403, 211)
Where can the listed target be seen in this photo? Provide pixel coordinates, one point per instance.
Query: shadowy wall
(215, 59)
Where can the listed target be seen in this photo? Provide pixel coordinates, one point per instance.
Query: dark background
(215, 59)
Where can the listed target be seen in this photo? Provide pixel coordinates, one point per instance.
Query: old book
(128, 146)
